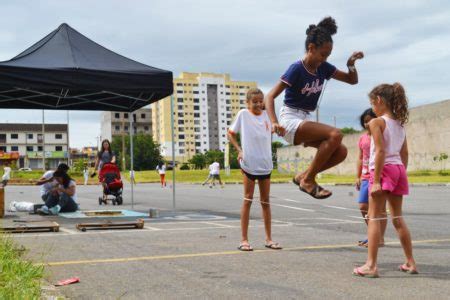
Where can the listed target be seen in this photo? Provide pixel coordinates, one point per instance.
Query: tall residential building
(28, 141)
(205, 104)
(116, 123)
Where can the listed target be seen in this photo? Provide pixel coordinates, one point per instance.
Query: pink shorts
(393, 180)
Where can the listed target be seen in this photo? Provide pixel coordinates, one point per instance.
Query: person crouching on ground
(63, 197)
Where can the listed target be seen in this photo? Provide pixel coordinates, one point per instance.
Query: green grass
(21, 177)
(198, 176)
(19, 279)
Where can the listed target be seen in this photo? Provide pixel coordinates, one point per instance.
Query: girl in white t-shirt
(161, 169)
(255, 158)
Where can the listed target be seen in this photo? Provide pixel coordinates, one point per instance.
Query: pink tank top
(393, 136)
(364, 145)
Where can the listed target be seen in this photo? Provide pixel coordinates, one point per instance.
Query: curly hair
(321, 33)
(395, 98)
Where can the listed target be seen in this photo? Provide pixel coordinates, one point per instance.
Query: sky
(404, 41)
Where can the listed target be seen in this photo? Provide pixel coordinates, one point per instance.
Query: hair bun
(310, 28)
(329, 24)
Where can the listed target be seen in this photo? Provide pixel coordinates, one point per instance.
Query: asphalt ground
(191, 252)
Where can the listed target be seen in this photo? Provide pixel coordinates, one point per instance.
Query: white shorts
(290, 120)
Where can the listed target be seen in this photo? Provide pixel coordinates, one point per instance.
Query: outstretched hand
(93, 174)
(355, 56)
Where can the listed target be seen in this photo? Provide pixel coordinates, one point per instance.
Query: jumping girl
(303, 83)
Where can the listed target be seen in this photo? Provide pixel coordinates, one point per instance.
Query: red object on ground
(68, 281)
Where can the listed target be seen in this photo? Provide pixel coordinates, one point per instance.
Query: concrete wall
(428, 134)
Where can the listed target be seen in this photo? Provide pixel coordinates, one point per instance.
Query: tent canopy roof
(66, 70)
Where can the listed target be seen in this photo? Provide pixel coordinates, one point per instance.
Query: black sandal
(315, 192)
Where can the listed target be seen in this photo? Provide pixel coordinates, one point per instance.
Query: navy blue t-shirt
(304, 87)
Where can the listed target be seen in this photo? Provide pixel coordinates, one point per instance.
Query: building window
(30, 148)
(117, 115)
(126, 128)
(146, 128)
(179, 84)
(181, 136)
(39, 148)
(125, 115)
(181, 151)
(196, 107)
(142, 116)
(179, 92)
(30, 136)
(196, 115)
(180, 122)
(180, 100)
(196, 92)
(198, 144)
(14, 148)
(180, 107)
(3, 148)
(180, 114)
(14, 136)
(181, 144)
(180, 129)
(58, 136)
(58, 148)
(117, 127)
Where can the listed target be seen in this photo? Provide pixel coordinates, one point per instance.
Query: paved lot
(191, 253)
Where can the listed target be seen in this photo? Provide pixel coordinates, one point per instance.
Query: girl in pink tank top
(388, 180)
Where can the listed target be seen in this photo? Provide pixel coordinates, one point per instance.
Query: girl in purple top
(303, 83)
(388, 179)
(362, 172)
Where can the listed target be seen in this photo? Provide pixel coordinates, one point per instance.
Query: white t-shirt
(214, 168)
(46, 187)
(256, 141)
(161, 170)
(72, 183)
(6, 175)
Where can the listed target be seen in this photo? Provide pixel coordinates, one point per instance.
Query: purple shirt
(304, 87)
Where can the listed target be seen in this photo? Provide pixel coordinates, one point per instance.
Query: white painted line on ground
(152, 228)
(339, 207)
(67, 230)
(218, 224)
(294, 207)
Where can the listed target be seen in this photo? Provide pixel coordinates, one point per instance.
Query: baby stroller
(109, 176)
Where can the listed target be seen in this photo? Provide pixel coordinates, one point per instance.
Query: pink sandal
(406, 269)
(360, 272)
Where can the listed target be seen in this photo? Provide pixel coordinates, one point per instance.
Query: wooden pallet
(30, 227)
(93, 213)
(138, 224)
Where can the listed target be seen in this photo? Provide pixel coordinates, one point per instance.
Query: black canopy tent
(67, 71)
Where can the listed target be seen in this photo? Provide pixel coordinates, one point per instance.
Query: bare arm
(404, 154)
(351, 76)
(270, 106)
(359, 169)
(70, 191)
(43, 180)
(113, 159)
(376, 128)
(233, 141)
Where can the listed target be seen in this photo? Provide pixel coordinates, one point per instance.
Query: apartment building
(28, 141)
(118, 123)
(205, 104)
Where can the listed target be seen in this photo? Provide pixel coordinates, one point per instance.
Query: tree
(198, 161)
(349, 130)
(214, 155)
(146, 151)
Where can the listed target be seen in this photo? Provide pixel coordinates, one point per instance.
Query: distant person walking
(214, 174)
(161, 169)
(6, 175)
(86, 175)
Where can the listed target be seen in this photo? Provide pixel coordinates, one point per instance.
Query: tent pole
(173, 152)
(43, 141)
(68, 141)
(131, 159)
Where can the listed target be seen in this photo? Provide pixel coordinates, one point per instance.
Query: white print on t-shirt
(314, 89)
